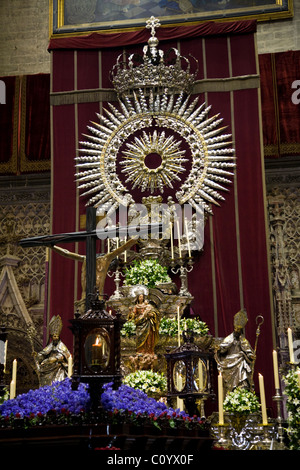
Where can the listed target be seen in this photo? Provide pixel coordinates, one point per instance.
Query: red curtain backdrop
(9, 126)
(25, 125)
(281, 113)
(232, 272)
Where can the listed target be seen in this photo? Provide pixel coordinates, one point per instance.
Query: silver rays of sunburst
(145, 178)
(211, 153)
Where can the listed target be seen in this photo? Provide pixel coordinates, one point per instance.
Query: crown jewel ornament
(154, 68)
(181, 132)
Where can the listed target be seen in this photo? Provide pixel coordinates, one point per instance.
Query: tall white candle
(200, 375)
(221, 399)
(125, 252)
(179, 387)
(14, 371)
(5, 355)
(187, 238)
(12, 390)
(262, 400)
(179, 243)
(70, 366)
(108, 245)
(275, 366)
(291, 348)
(171, 237)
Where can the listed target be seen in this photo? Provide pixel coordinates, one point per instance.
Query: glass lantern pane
(97, 350)
(200, 375)
(179, 375)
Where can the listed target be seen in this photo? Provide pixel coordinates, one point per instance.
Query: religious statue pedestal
(165, 344)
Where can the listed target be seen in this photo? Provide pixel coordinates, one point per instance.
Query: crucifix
(95, 267)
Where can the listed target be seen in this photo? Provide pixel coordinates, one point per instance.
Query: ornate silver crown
(154, 68)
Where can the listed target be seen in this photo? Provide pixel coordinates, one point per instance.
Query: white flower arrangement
(241, 401)
(147, 273)
(292, 391)
(146, 380)
(169, 326)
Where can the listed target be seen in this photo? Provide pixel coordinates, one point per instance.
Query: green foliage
(147, 273)
(241, 401)
(292, 391)
(169, 326)
(146, 380)
(129, 329)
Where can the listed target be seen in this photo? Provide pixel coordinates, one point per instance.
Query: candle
(262, 400)
(220, 395)
(178, 325)
(171, 235)
(125, 253)
(70, 366)
(187, 238)
(13, 383)
(14, 371)
(179, 388)
(291, 349)
(298, 374)
(179, 244)
(97, 352)
(5, 355)
(275, 366)
(200, 375)
(12, 391)
(108, 245)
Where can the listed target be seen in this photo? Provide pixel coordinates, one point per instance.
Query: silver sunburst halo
(211, 152)
(164, 173)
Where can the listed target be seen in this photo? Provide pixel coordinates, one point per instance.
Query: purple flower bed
(59, 404)
(59, 396)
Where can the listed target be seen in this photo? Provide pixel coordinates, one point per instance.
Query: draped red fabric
(37, 118)
(280, 85)
(25, 125)
(232, 270)
(8, 121)
(104, 40)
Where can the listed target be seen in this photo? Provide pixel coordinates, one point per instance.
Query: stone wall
(24, 36)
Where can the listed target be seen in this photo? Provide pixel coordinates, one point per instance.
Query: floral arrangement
(129, 329)
(169, 326)
(241, 401)
(59, 404)
(133, 406)
(147, 273)
(56, 397)
(292, 391)
(146, 380)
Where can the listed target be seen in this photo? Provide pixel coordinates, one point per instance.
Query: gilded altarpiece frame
(73, 17)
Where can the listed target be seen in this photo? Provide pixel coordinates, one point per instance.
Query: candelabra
(117, 274)
(183, 269)
(250, 435)
(280, 430)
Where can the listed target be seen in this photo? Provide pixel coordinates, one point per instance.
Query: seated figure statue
(52, 361)
(235, 356)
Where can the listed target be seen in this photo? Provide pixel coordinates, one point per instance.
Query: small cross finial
(152, 24)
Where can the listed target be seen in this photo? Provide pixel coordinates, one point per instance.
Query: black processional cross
(89, 237)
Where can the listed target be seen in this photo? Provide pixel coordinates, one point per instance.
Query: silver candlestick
(182, 270)
(117, 274)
